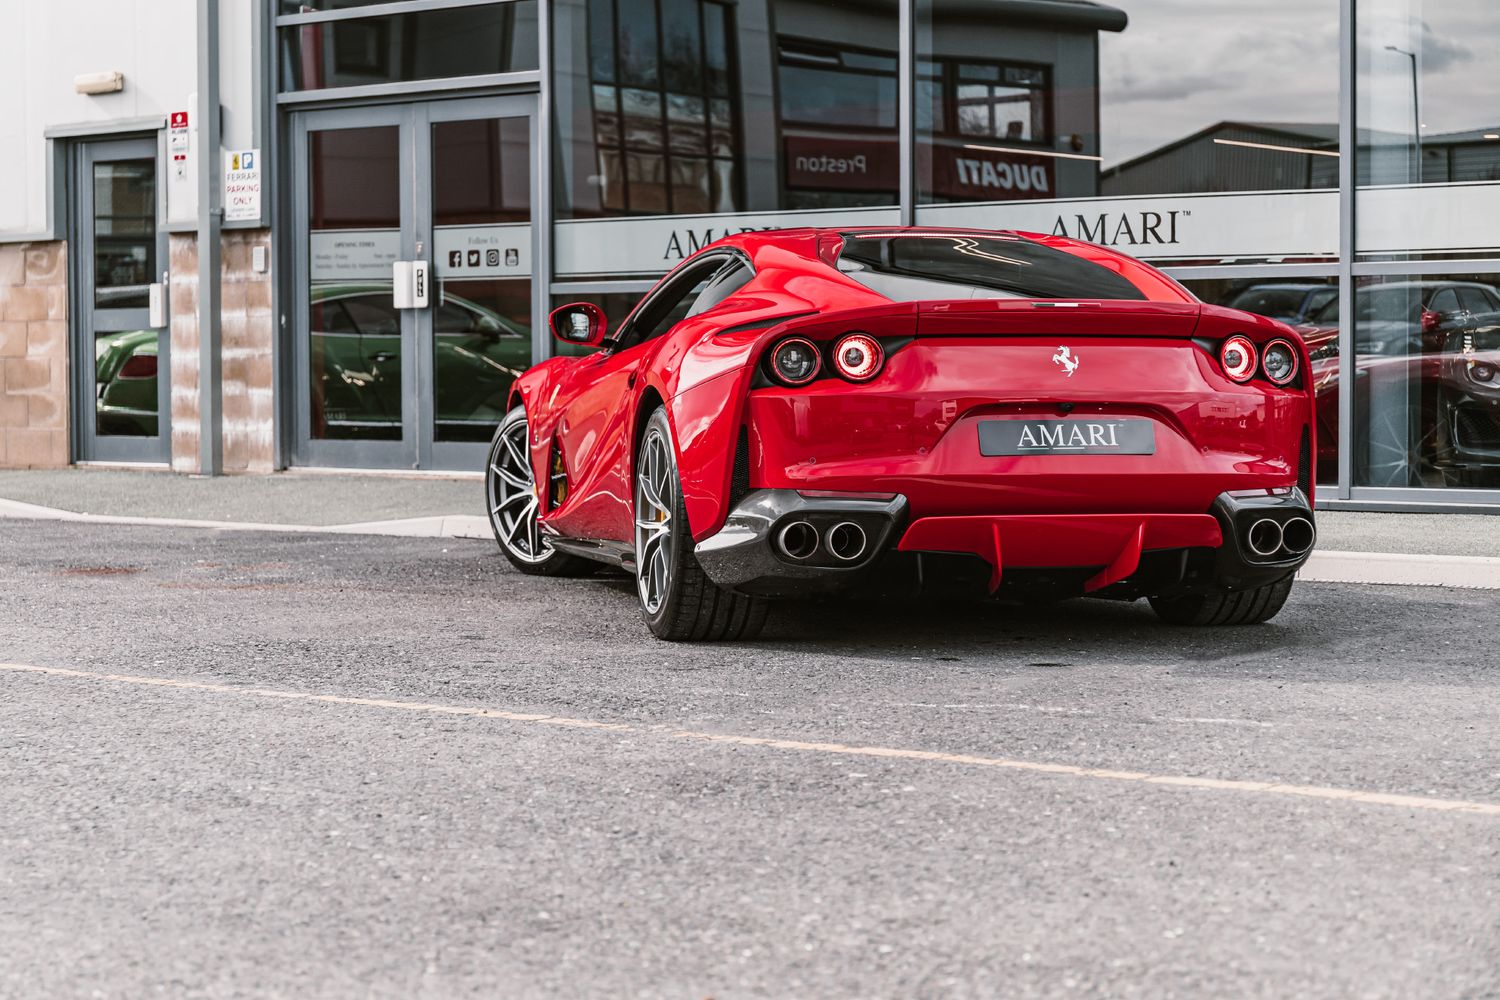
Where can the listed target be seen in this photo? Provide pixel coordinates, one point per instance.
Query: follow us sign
(242, 185)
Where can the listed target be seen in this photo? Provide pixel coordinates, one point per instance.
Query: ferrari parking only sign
(242, 185)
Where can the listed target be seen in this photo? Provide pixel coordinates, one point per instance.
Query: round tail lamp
(795, 361)
(1238, 359)
(857, 357)
(1279, 362)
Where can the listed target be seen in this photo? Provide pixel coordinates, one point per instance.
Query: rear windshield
(913, 267)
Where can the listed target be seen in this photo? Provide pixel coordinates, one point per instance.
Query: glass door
(121, 346)
(353, 205)
(415, 309)
(477, 336)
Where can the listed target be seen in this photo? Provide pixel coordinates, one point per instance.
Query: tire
(1218, 607)
(678, 601)
(510, 499)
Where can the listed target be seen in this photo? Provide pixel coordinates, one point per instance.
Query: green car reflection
(125, 379)
(355, 360)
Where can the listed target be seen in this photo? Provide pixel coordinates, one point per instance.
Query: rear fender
(706, 418)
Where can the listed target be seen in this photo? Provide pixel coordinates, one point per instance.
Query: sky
(1182, 65)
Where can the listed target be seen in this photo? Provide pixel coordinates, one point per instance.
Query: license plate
(1067, 437)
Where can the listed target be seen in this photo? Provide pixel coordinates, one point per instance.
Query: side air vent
(739, 480)
(557, 478)
(1304, 463)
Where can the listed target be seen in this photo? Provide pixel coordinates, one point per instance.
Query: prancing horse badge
(1065, 358)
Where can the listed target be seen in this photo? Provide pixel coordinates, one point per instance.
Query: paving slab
(279, 498)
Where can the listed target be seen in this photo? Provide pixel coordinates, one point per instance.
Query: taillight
(795, 361)
(1238, 359)
(1279, 362)
(139, 366)
(857, 357)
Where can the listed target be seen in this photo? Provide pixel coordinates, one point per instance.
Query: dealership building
(240, 236)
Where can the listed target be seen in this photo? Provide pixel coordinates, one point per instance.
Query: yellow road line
(800, 746)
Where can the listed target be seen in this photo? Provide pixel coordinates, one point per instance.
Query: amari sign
(1257, 226)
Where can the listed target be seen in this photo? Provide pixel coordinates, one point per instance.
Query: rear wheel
(678, 601)
(1220, 607)
(510, 498)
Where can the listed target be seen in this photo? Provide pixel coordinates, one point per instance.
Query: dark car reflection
(1427, 383)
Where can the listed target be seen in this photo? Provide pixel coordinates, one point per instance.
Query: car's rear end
(1041, 417)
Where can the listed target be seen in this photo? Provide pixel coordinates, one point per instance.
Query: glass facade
(1309, 160)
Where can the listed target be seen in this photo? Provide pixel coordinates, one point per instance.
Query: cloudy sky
(1182, 65)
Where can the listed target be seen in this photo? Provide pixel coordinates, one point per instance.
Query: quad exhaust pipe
(1298, 535)
(1268, 537)
(845, 541)
(798, 540)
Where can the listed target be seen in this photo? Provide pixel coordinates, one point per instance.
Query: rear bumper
(1120, 554)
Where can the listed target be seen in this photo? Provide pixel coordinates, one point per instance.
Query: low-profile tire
(510, 498)
(1220, 607)
(678, 600)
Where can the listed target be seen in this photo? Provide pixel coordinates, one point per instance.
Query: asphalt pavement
(274, 765)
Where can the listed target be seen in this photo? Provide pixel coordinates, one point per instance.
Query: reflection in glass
(125, 265)
(424, 45)
(481, 326)
(481, 341)
(1052, 102)
(355, 346)
(124, 233)
(703, 106)
(1428, 112)
(126, 383)
(1427, 369)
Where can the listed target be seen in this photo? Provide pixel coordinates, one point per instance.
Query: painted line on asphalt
(1270, 788)
(1378, 568)
(432, 526)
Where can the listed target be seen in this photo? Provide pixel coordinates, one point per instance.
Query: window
(734, 276)
(423, 45)
(672, 303)
(909, 268)
(663, 114)
(1428, 163)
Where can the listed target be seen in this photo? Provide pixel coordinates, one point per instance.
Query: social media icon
(512, 258)
(473, 258)
(492, 258)
(456, 258)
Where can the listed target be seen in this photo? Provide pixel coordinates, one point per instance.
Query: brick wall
(247, 332)
(33, 355)
(182, 301)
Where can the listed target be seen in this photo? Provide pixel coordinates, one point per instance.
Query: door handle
(385, 356)
(156, 301)
(409, 284)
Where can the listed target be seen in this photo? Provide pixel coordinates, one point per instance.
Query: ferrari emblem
(1065, 358)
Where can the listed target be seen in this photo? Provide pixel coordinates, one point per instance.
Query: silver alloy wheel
(655, 483)
(512, 496)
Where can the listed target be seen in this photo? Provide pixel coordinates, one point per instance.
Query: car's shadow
(1038, 635)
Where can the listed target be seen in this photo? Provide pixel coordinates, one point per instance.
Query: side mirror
(581, 323)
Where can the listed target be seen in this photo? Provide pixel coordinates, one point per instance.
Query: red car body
(903, 453)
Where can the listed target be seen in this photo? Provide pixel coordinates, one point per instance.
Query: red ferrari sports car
(913, 411)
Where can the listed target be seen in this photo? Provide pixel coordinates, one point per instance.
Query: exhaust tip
(1298, 535)
(1264, 537)
(798, 540)
(847, 541)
